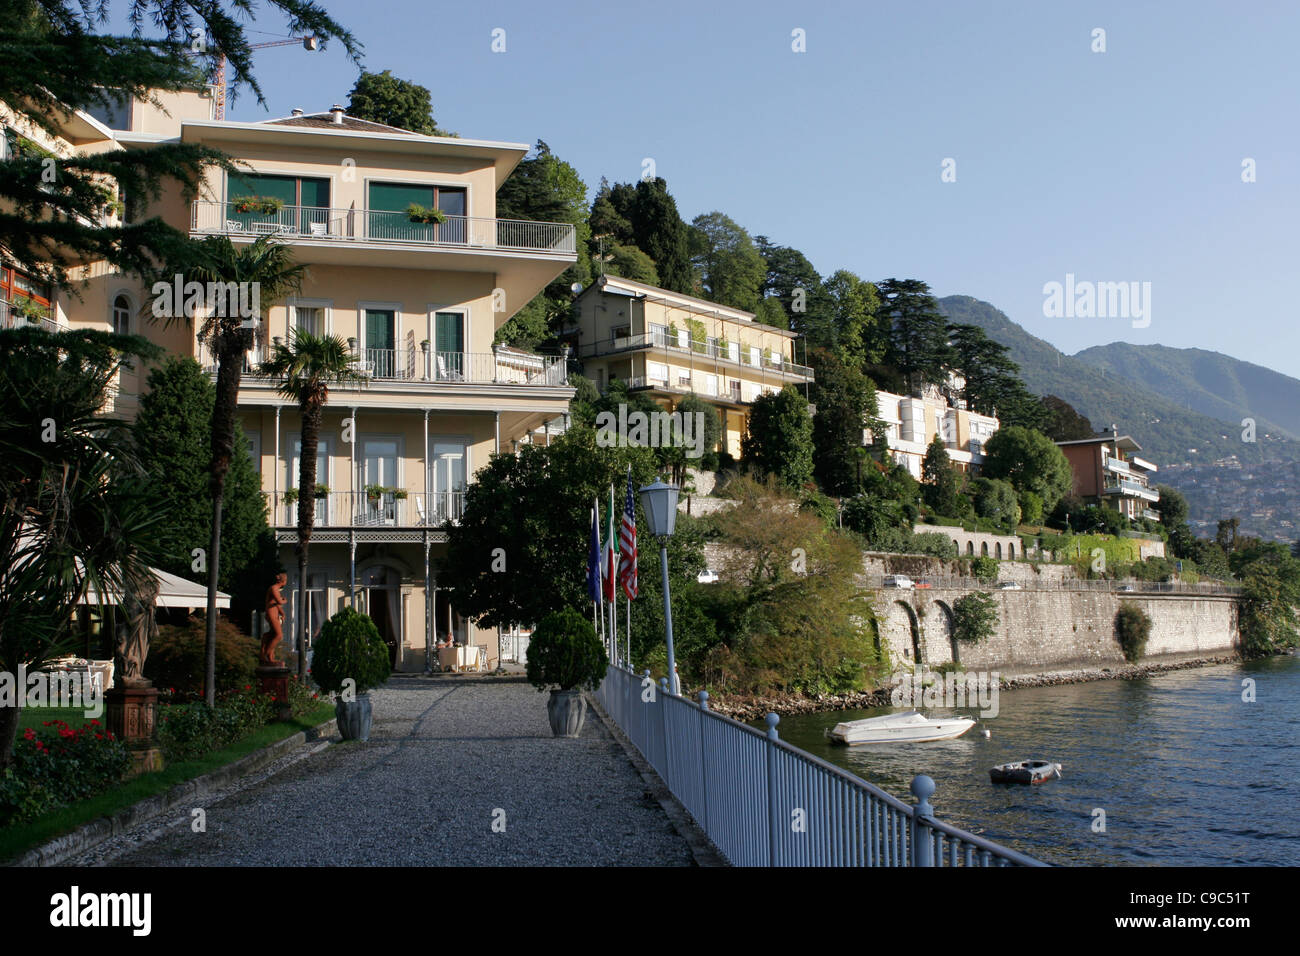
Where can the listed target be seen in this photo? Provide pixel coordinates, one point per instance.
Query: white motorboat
(910, 727)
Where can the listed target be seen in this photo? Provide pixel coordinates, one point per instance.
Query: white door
(322, 478)
(378, 480)
(447, 481)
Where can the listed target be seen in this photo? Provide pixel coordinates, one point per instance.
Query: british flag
(627, 543)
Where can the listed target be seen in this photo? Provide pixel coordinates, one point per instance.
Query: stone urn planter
(567, 710)
(350, 659)
(565, 656)
(353, 717)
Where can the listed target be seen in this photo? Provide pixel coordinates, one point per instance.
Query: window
(309, 319)
(658, 335)
(379, 346)
(447, 480)
(115, 113)
(378, 469)
(122, 315)
(619, 332)
(322, 478)
(304, 210)
(389, 202)
(449, 346)
(656, 372)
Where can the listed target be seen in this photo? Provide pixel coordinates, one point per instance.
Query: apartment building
(912, 421)
(671, 345)
(1107, 471)
(418, 302)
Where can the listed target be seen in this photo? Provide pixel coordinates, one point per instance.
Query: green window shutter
(396, 197)
(283, 188)
(450, 330)
(379, 329)
(316, 193)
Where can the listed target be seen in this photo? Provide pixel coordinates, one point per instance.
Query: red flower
(93, 723)
(30, 735)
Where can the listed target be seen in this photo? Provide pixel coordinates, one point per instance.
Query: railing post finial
(923, 788)
(704, 700)
(772, 720)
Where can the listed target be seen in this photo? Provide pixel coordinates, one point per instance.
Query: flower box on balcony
(419, 214)
(265, 205)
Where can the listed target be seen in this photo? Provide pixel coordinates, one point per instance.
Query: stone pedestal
(129, 713)
(274, 681)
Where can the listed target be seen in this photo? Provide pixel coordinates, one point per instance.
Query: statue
(275, 617)
(140, 628)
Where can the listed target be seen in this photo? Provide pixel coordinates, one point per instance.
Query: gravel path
(443, 760)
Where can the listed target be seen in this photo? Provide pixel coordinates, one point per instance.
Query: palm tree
(269, 270)
(307, 366)
(78, 521)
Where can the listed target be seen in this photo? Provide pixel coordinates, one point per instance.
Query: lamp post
(659, 501)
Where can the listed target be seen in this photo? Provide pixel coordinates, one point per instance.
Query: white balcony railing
(710, 350)
(368, 509)
(417, 367)
(17, 315)
(1131, 489)
(369, 225)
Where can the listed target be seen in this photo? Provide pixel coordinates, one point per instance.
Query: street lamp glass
(659, 501)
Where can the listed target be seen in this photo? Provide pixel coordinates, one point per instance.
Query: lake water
(1186, 772)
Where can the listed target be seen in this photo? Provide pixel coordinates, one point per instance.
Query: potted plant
(399, 494)
(350, 659)
(565, 656)
(417, 213)
(373, 492)
(290, 495)
(322, 491)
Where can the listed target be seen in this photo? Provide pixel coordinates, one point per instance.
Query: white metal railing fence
(765, 803)
(372, 507)
(713, 350)
(371, 225)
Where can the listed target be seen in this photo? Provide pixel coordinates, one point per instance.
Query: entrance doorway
(382, 594)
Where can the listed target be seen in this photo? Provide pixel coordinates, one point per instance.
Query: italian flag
(611, 553)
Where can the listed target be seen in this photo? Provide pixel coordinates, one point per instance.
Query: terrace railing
(1122, 585)
(362, 509)
(765, 803)
(378, 226)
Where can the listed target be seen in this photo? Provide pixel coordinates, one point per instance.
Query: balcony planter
(264, 205)
(565, 656)
(419, 214)
(322, 491)
(375, 492)
(290, 496)
(399, 494)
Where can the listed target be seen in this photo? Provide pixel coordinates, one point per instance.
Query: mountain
(1207, 382)
(1154, 410)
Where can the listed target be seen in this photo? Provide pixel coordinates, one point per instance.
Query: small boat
(1025, 771)
(910, 727)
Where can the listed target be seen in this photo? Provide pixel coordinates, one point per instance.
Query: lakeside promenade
(444, 757)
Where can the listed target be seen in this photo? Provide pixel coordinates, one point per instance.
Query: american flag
(627, 543)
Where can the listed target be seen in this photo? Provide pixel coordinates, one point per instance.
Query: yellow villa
(418, 303)
(671, 344)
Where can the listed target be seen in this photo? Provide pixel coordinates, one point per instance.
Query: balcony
(1130, 489)
(1118, 466)
(362, 509)
(312, 223)
(739, 357)
(418, 368)
(18, 315)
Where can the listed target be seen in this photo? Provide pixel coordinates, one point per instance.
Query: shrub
(564, 653)
(984, 568)
(974, 617)
(1031, 507)
(58, 766)
(349, 647)
(176, 659)
(187, 731)
(1132, 628)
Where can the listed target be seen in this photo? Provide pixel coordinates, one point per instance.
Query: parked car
(922, 584)
(1009, 586)
(898, 581)
(1126, 587)
(707, 576)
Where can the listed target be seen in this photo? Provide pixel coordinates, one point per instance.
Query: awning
(173, 591)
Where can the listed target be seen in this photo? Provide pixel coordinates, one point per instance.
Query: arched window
(970, 548)
(998, 550)
(1011, 551)
(122, 315)
(984, 549)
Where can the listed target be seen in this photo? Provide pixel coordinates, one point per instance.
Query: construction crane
(218, 84)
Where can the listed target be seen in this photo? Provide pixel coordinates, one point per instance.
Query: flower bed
(189, 730)
(57, 766)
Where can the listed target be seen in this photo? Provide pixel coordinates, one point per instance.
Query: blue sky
(1115, 166)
